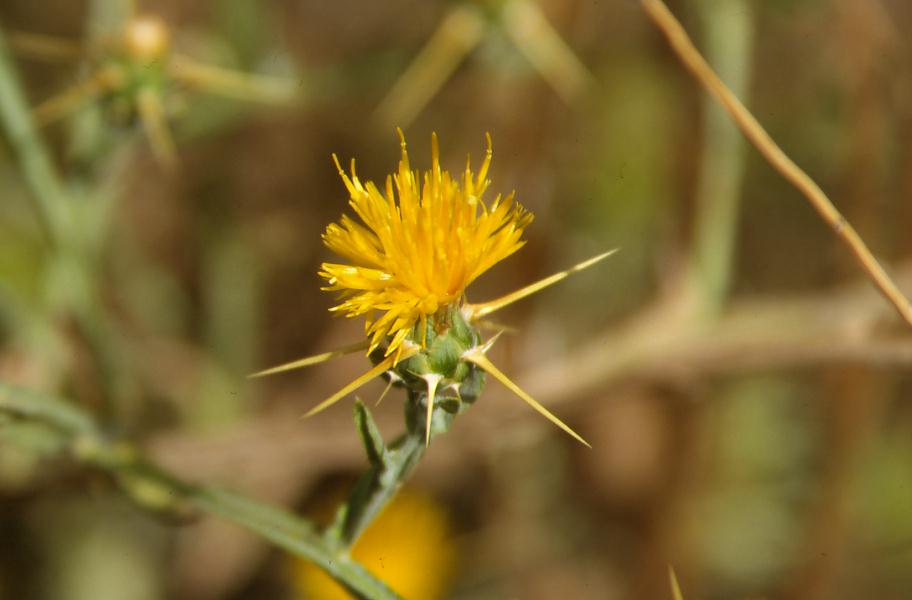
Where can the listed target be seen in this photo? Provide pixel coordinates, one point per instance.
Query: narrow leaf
(370, 435)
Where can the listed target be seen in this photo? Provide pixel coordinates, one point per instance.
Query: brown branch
(663, 343)
(697, 65)
(835, 326)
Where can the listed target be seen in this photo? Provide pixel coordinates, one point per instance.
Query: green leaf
(370, 435)
(153, 486)
(36, 406)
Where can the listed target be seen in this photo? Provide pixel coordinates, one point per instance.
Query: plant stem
(15, 116)
(153, 488)
(460, 32)
(682, 45)
(728, 34)
(390, 467)
(63, 217)
(293, 535)
(380, 484)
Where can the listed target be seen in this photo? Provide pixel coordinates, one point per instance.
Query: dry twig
(697, 65)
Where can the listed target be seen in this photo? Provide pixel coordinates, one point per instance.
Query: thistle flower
(424, 242)
(423, 238)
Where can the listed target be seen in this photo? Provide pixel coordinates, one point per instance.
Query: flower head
(421, 241)
(424, 239)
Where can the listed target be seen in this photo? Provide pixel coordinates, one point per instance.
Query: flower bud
(456, 383)
(146, 39)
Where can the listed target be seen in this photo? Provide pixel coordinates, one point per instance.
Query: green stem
(30, 405)
(62, 218)
(293, 535)
(728, 35)
(48, 193)
(390, 467)
(155, 489)
(379, 485)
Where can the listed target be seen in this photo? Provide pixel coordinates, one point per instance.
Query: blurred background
(745, 391)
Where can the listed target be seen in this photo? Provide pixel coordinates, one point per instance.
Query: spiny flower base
(438, 376)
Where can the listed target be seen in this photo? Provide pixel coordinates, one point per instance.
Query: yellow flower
(425, 238)
(409, 546)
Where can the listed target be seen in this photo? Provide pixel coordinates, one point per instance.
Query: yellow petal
(477, 357)
(421, 240)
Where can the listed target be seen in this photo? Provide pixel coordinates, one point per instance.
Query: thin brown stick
(662, 342)
(697, 65)
(233, 84)
(75, 96)
(45, 47)
(155, 123)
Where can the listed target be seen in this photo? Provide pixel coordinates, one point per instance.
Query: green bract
(447, 337)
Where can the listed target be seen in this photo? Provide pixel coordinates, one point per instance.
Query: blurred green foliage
(790, 477)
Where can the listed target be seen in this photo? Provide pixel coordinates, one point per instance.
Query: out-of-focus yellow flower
(409, 546)
(425, 238)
